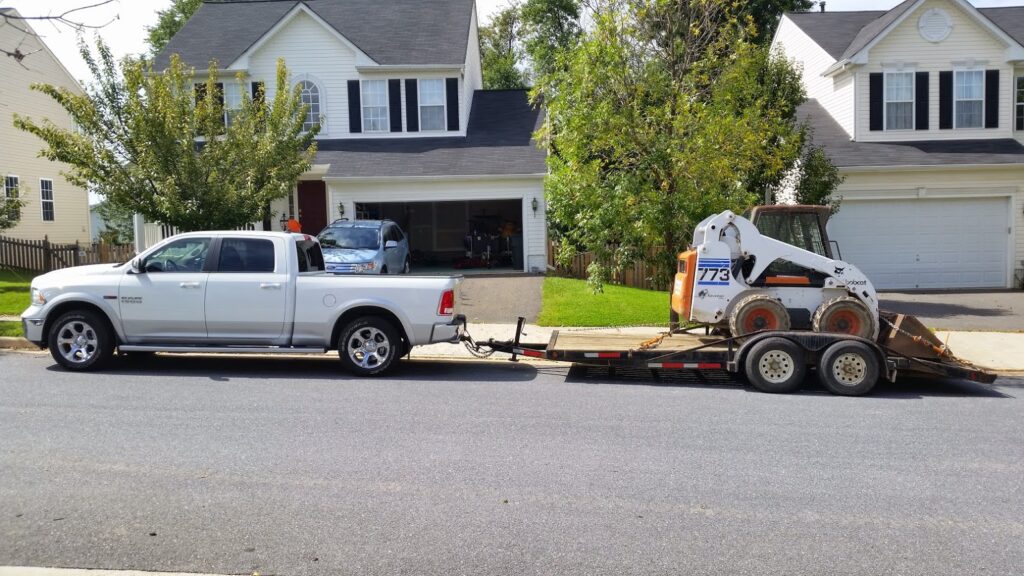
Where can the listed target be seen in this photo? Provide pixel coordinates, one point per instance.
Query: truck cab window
(185, 255)
(246, 255)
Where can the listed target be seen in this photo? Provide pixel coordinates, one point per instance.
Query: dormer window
(432, 114)
(899, 101)
(968, 98)
(374, 96)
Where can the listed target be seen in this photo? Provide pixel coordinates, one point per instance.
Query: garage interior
(467, 236)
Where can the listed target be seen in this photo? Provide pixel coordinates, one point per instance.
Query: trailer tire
(849, 368)
(775, 365)
(369, 345)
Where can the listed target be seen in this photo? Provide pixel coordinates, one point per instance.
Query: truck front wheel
(368, 346)
(80, 341)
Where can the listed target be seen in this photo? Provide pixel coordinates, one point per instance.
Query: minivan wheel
(368, 346)
(407, 268)
(80, 341)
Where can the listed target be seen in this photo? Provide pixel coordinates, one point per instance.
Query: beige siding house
(53, 207)
(922, 109)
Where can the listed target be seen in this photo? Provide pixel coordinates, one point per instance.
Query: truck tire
(368, 346)
(775, 365)
(758, 312)
(845, 315)
(848, 368)
(81, 340)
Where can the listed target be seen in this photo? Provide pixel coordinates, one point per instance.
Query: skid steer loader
(776, 271)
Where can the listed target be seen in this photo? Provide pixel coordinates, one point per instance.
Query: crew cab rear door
(247, 292)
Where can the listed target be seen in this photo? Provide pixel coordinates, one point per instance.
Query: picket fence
(45, 256)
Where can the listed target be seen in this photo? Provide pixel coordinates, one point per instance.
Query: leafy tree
(549, 28)
(168, 23)
(662, 115)
(766, 14)
(817, 179)
(10, 210)
(500, 54)
(118, 223)
(136, 143)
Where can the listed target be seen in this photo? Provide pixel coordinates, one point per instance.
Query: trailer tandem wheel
(775, 365)
(849, 368)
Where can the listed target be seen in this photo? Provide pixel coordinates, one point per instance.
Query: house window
(200, 91)
(899, 101)
(1019, 106)
(310, 94)
(432, 112)
(11, 185)
(375, 105)
(968, 98)
(46, 198)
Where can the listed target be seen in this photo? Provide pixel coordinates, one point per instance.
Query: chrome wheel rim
(77, 342)
(850, 369)
(368, 347)
(776, 366)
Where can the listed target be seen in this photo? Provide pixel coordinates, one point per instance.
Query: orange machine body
(682, 289)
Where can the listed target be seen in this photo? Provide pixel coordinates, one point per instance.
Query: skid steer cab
(742, 280)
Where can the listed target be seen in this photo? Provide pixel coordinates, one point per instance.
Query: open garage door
(468, 236)
(926, 243)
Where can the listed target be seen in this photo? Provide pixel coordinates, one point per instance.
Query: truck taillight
(447, 306)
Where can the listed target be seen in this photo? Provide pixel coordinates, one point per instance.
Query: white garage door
(922, 243)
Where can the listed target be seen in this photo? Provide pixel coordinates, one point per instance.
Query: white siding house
(918, 108)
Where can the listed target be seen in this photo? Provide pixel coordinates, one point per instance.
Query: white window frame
(444, 104)
(42, 201)
(957, 71)
(886, 101)
(363, 106)
(322, 101)
(17, 188)
(1018, 103)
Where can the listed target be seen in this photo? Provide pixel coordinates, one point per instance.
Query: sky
(126, 31)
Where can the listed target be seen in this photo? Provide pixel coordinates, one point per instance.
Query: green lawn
(14, 292)
(10, 329)
(571, 303)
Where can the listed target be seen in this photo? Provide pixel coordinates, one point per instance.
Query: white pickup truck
(240, 292)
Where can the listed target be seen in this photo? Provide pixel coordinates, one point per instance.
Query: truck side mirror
(136, 266)
(390, 244)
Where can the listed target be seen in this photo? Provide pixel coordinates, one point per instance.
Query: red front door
(312, 206)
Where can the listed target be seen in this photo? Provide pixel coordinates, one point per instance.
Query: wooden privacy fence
(637, 275)
(45, 256)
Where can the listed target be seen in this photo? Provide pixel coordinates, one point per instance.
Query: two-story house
(407, 132)
(922, 109)
(53, 208)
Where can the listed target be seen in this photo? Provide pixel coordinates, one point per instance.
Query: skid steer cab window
(185, 255)
(800, 230)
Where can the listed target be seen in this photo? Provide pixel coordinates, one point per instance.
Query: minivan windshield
(351, 238)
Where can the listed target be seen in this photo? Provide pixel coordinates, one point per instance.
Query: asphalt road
(288, 467)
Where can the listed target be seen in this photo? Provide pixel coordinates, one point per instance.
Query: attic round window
(935, 25)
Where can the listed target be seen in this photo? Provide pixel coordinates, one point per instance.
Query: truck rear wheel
(81, 341)
(848, 368)
(368, 346)
(775, 365)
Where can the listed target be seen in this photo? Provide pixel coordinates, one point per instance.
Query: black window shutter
(945, 100)
(451, 89)
(921, 101)
(219, 87)
(412, 105)
(991, 98)
(355, 110)
(395, 104)
(200, 92)
(259, 91)
(876, 101)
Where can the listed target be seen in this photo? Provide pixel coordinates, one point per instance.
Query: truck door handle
(270, 285)
(189, 284)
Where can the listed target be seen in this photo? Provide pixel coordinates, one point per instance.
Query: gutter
(438, 177)
(944, 167)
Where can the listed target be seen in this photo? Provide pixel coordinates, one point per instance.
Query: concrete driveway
(491, 299)
(988, 310)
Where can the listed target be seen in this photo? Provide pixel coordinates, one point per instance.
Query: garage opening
(470, 236)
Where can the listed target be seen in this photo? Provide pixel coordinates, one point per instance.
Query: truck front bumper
(448, 332)
(33, 330)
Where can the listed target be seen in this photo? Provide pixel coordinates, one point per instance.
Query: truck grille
(341, 268)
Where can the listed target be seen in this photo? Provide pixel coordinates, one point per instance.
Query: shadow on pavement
(941, 310)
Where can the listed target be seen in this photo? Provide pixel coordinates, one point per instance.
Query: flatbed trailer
(772, 361)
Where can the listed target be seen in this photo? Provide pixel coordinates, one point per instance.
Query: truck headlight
(37, 297)
(365, 267)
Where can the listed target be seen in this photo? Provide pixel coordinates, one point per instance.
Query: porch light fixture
(283, 221)
(535, 204)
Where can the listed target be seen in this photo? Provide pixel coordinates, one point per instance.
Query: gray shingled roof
(843, 34)
(499, 141)
(388, 31)
(845, 153)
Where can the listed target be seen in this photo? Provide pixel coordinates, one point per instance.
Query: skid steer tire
(775, 365)
(845, 315)
(758, 312)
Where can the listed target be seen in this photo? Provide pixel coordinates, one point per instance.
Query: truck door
(247, 294)
(165, 301)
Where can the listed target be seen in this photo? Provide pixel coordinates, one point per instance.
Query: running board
(223, 349)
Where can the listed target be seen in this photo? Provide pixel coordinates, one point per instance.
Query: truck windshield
(351, 238)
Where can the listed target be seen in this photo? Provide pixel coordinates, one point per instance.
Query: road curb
(16, 343)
